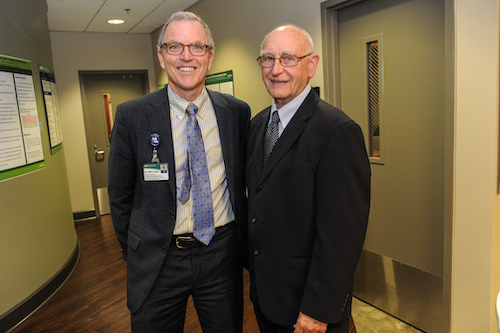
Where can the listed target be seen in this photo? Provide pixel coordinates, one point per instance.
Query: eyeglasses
(176, 48)
(266, 61)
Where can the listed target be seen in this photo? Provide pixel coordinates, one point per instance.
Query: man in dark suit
(177, 193)
(308, 196)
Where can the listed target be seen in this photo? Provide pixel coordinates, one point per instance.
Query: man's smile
(186, 69)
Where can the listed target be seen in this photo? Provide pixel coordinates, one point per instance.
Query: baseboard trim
(17, 315)
(84, 215)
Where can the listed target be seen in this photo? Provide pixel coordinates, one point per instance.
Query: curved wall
(37, 233)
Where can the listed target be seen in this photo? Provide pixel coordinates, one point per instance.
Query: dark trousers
(212, 274)
(267, 326)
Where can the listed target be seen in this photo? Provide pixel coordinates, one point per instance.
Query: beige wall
(75, 52)
(239, 27)
(37, 234)
(495, 277)
(476, 208)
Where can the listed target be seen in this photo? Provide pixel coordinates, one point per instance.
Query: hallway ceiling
(143, 16)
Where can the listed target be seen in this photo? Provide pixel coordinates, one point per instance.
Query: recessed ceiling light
(116, 21)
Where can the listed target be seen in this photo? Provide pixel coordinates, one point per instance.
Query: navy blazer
(143, 212)
(308, 213)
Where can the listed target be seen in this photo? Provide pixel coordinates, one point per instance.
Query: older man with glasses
(176, 190)
(308, 180)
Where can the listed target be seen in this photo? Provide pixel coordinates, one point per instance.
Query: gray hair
(189, 16)
(303, 31)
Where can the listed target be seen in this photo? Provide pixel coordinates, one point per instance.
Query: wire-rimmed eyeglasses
(285, 60)
(176, 48)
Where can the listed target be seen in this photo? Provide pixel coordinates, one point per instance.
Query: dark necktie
(197, 181)
(272, 135)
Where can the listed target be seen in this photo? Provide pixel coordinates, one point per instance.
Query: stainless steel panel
(103, 200)
(407, 293)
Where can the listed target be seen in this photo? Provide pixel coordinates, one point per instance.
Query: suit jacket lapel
(290, 134)
(225, 123)
(159, 121)
(259, 125)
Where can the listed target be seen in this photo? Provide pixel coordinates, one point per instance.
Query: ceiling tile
(99, 24)
(138, 2)
(169, 7)
(69, 21)
(91, 15)
(118, 8)
(74, 6)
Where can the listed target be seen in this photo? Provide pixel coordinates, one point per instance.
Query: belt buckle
(179, 246)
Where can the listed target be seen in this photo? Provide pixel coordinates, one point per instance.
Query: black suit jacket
(143, 212)
(308, 213)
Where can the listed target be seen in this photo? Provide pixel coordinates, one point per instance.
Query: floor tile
(369, 319)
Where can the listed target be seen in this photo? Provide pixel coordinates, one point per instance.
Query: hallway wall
(238, 47)
(74, 52)
(475, 230)
(37, 234)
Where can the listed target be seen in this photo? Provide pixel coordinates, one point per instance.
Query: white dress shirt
(288, 110)
(223, 210)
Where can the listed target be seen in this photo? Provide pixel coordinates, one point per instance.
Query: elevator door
(101, 93)
(397, 95)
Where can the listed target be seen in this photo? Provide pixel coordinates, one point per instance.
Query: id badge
(155, 172)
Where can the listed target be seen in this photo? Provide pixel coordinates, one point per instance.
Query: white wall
(73, 52)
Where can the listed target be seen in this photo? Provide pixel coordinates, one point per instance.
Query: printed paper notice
(29, 117)
(21, 149)
(11, 135)
(51, 107)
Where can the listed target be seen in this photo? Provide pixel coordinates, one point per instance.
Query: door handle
(99, 154)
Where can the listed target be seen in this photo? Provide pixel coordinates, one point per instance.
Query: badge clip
(155, 141)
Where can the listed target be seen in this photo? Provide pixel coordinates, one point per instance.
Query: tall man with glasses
(308, 180)
(177, 193)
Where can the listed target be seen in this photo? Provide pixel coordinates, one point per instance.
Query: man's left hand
(306, 324)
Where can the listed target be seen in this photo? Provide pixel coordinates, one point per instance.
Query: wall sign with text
(51, 108)
(21, 149)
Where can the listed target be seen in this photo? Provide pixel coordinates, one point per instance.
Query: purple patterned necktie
(272, 135)
(196, 179)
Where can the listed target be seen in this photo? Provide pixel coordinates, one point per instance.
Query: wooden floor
(94, 298)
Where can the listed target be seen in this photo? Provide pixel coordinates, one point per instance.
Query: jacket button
(254, 220)
(172, 215)
(164, 248)
(260, 187)
(256, 252)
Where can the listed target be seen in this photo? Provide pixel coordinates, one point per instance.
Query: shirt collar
(179, 104)
(288, 110)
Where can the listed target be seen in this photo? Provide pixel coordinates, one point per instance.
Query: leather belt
(188, 241)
